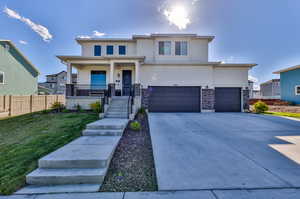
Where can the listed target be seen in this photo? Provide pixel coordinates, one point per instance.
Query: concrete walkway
(79, 166)
(224, 151)
(204, 194)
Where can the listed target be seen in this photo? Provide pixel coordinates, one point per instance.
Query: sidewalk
(202, 194)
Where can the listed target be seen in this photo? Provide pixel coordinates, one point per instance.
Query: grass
(25, 139)
(294, 115)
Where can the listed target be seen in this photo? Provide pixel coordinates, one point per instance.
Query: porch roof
(104, 60)
(67, 58)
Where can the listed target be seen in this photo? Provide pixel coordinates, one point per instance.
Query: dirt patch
(132, 166)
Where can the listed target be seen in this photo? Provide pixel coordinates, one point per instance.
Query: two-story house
(57, 82)
(168, 72)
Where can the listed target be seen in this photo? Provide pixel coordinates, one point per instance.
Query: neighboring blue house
(290, 84)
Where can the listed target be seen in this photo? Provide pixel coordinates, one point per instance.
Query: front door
(126, 82)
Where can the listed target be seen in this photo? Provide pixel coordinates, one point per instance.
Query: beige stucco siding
(180, 75)
(230, 77)
(87, 49)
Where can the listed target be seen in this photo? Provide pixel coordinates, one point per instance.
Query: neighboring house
(251, 88)
(171, 73)
(270, 89)
(290, 84)
(57, 82)
(256, 94)
(17, 74)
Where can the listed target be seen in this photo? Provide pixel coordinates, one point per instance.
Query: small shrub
(142, 111)
(260, 107)
(96, 107)
(136, 126)
(66, 111)
(57, 106)
(46, 111)
(78, 108)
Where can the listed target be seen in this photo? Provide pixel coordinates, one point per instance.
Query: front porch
(101, 79)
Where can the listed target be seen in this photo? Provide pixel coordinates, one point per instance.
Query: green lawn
(295, 115)
(25, 139)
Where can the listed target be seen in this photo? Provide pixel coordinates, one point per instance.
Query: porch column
(111, 85)
(137, 85)
(111, 74)
(69, 73)
(137, 72)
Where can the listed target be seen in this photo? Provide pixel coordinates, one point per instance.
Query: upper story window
(1, 77)
(97, 50)
(110, 50)
(164, 47)
(181, 48)
(122, 50)
(297, 90)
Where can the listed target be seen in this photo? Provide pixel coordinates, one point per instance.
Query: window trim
(187, 47)
(125, 47)
(164, 41)
(1, 72)
(107, 49)
(296, 90)
(95, 50)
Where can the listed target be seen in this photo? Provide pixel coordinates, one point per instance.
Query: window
(122, 50)
(97, 50)
(109, 50)
(1, 77)
(297, 90)
(164, 48)
(181, 48)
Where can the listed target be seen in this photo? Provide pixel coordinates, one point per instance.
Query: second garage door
(174, 99)
(228, 99)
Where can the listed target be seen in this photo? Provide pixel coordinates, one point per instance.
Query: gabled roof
(287, 69)
(21, 54)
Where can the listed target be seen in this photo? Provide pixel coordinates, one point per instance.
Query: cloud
(23, 42)
(254, 79)
(194, 1)
(84, 37)
(177, 16)
(39, 29)
(98, 34)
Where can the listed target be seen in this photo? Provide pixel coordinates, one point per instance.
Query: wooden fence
(11, 105)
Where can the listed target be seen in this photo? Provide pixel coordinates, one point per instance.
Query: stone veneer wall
(145, 97)
(246, 99)
(208, 99)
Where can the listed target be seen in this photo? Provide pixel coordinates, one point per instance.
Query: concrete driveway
(195, 151)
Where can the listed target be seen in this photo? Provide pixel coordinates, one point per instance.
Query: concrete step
(69, 188)
(66, 176)
(117, 112)
(108, 123)
(84, 152)
(102, 132)
(116, 115)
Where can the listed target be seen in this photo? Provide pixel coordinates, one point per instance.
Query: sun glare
(178, 16)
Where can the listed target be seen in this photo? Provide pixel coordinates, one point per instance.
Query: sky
(266, 32)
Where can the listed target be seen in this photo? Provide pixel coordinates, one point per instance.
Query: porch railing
(86, 90)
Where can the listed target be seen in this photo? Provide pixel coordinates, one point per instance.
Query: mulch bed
(132, 166)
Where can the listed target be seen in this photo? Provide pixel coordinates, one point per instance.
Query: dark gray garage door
(228, 99)
(174, 99)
